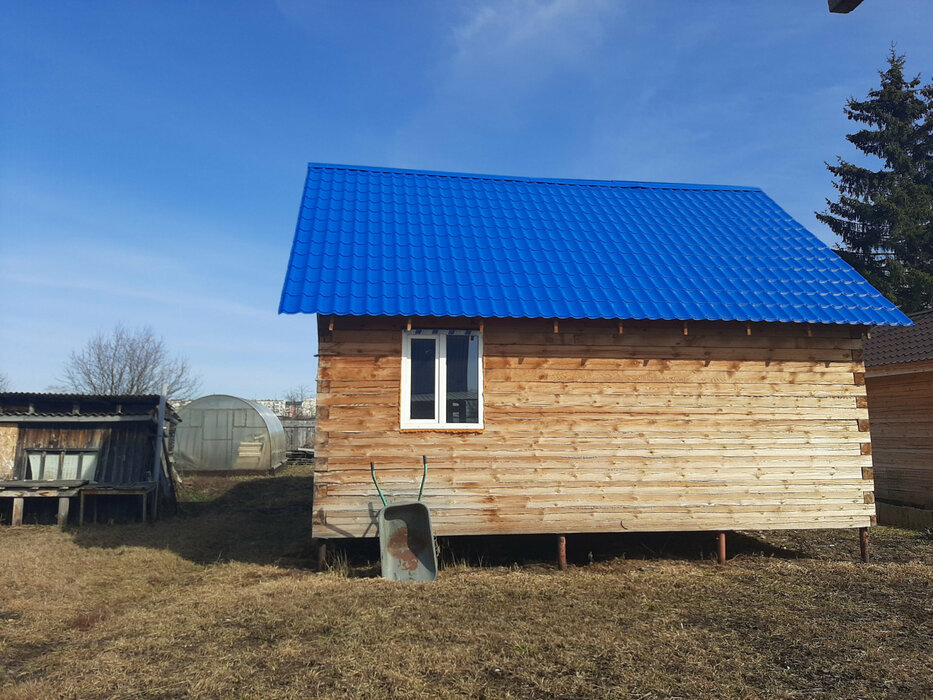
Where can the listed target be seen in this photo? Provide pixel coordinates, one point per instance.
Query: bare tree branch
(128, 362)
(295, 401)
(298, 394)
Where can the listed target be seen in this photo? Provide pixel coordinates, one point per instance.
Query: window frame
(439, 421)
(59, 453)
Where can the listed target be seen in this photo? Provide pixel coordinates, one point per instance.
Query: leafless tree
(295, 398)
(128, 362)
(298, 394)
(4, 382)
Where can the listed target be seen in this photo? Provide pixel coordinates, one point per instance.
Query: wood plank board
(901, 414)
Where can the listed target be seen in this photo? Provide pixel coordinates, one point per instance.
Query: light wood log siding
(900, 401)
(588, 430)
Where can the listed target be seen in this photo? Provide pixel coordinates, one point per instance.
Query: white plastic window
(442, 379)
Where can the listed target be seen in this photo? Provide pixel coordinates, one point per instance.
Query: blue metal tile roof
(381, 241)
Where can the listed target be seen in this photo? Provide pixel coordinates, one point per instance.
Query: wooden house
(99, 451)
(899, 380)
(580, 356)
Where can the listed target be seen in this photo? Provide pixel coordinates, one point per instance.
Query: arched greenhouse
(223, 434)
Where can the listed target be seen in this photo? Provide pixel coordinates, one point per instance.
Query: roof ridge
(629, 184)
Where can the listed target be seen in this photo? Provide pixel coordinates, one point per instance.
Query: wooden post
(144, 505)
(17, 512)
(562, 552)
(81, 508)
(321, 548)
(721, 549)
(863, 544)
(63, 504)
(160, 427)
(155, 505)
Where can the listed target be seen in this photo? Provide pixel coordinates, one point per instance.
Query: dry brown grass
(218, 603)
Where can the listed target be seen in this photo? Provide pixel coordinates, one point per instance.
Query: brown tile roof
(898, 345)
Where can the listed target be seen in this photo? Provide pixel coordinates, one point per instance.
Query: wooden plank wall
(299, 432)
(900, 402)
(717, 426)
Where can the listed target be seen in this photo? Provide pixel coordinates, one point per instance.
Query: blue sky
(152, 154)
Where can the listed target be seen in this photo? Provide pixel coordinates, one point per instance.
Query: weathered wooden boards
(124, 449)
(147, 492)
(299, 432)
(905, 516)
(716, 427)
(21, 491)
(901, 407)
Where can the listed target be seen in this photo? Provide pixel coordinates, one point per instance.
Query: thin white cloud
(519, 35)
(502, 60)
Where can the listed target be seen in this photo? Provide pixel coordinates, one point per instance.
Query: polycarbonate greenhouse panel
(221, 433)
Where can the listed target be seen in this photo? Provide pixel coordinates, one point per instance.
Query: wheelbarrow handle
(424, 476)
(372, 470)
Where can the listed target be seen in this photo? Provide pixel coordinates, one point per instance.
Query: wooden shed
(99, 451)
(899, 380)
(580, 356)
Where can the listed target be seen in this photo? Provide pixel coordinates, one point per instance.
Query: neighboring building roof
(843, 6)
(895, 346)
(25, 404)
(381, 241)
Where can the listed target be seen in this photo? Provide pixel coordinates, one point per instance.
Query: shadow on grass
(267, 520)
(360, 557)
(585, 548)
(258, 520)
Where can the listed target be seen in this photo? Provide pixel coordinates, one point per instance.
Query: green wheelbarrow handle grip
(372, 470)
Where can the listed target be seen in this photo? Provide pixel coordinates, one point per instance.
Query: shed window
(442, 379)
(55, 465)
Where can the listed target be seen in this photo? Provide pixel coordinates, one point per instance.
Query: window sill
(442, 429)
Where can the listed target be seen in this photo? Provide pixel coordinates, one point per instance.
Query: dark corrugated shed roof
(381, 241)
(894, 346)
(56, 396)
(58, 404)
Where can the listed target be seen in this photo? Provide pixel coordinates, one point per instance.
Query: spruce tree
(885, 217)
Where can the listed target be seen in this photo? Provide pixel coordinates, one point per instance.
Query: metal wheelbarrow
(406, 538)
